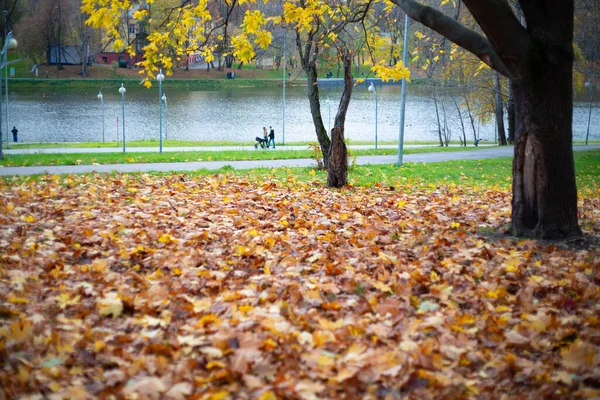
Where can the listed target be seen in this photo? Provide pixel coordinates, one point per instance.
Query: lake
(237, 114)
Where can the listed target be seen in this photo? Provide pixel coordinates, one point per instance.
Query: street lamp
(590, 87)
(5, 12)
(122, 90)
(164, 98)
(160, 78)
(283, 103)
(403, 94)
(9, 44)
(102, 104)
(372, 89)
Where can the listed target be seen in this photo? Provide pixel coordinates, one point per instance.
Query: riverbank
(108, 77)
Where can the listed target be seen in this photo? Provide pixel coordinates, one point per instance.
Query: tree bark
(337, 172)
(544, 190)
(539, 60)
(510, 109)
(475, 138)
(499, 110)
(308, 60)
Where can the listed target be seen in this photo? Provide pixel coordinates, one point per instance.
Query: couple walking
(270, 136)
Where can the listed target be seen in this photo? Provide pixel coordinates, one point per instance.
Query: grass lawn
(186, 156)
(265, 284)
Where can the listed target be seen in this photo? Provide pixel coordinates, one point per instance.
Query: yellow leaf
(268, 396)
(17, 300)
(111, 304)
(28, 218)
(19, 331)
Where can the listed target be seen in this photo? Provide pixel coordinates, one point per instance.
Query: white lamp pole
(122, 90)
(372, 89)
(101, 97)
(283, 105)
(160, 78)
(590, 87)
(164, 98)
(9, 44)
(403, 94)
(329, 119)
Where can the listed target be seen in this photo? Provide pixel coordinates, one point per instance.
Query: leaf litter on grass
(230, 288)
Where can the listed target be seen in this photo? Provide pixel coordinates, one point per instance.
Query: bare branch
(455, 32)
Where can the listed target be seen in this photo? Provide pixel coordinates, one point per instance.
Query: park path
(118, 149)
(214, 165)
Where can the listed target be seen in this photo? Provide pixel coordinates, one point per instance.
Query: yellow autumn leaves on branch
(176, 29)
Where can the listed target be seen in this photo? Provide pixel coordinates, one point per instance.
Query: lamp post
(372, 89)
(283, 105)
(403, 94)
(101, 97)
(164, 98)
(590, 87)
(160, 78)
(9, 44)
(5, 12)
(122, 90)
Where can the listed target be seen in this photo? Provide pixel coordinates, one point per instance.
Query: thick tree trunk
(499, 110)
(510, 109)
(544, 190)
(337, 173)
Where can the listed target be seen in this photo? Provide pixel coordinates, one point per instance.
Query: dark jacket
(272, 134)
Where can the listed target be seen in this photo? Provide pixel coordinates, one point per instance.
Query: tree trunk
(315, 111)
(463, 141)
(437, 114)
(499, 109)
(510, 109)
(544, 190)
(308, 56)
(337, 172)
(475, 138)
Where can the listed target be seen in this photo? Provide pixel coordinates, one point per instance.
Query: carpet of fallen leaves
(220, 288)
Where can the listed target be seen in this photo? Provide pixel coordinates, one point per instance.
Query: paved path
(117, 149)
(214, 165)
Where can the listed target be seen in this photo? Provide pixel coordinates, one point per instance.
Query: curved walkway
(214, 165)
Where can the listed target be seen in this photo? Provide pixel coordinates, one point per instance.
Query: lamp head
(100, 95)
(160, 77)
(588, 83)
(12, 43)
(122, 89)
(371, 87)
(164, 97)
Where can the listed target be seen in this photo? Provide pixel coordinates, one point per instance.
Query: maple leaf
(111, 304)
(580, 355)
(17, 332)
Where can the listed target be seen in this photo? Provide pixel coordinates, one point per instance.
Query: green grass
(12, 160)
(482, 174)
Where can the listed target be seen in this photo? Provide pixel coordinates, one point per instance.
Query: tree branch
(455, 32)
(502, 28)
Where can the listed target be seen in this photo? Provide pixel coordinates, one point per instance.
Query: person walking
(271, 137)
(14, 132)
(266, 136)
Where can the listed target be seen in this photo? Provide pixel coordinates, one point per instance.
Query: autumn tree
(538, 57)
(316, 25)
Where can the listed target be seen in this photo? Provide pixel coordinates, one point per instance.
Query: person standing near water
(271, 137)
(14, 132)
